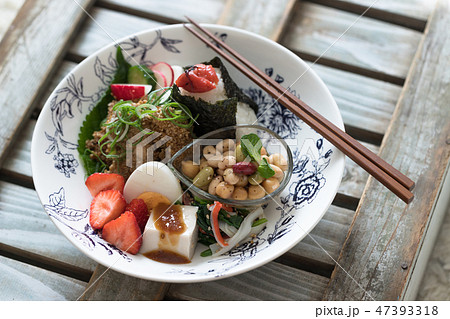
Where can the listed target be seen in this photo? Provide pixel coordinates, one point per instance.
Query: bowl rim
(236, 203)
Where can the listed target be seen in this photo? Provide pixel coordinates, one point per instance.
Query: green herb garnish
(264, 169)
(259, 222)
(251, 147)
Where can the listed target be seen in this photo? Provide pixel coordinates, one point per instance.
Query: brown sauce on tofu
(167, 256)
(169, 221)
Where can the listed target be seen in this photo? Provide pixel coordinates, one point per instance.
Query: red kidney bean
(245, 168)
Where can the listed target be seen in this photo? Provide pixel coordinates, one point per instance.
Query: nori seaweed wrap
(212, 116)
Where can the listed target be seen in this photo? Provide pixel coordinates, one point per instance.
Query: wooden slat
(39, 36)
(25, 226)
(107, 284)
(173, 11)
(109, 26)
(369, 46)
(323, 244)
(385, 238)
(269, 282)
(20, 281)
(418, 9)
(409, 13)
(365, 104)
(264, 17)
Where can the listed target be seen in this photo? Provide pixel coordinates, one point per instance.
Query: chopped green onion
(259, 222)
(127, 115)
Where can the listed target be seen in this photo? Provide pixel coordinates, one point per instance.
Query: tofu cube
(183, 244)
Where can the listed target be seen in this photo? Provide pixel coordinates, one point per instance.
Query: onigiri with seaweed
(209, 92)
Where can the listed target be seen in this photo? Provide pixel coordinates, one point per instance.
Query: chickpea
(240, 193)
(230, 177)
(243, 180)
(189, 168)
(204, 177)
(229, 153)
(209, 151)
(214, 160)
(278, 171)
(212, 186)
(224, 190)
(227, 162)
(203, 163)
(270, 184)
(240, 157)
(278, 160)
(225, 145)
(220, 171)
(255, 179)
(263, 151)
(256, 192)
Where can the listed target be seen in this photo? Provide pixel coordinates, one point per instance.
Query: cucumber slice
(141, 74)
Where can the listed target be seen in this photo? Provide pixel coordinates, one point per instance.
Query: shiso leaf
(98, 113)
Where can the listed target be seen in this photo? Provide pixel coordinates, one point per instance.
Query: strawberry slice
(98, 182)
(124, 233)
(138, 207)
(106, 206)
(129, 91)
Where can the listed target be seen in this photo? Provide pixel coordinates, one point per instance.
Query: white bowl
(59, 176)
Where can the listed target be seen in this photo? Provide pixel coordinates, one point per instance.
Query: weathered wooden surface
(366, 103)
(39, 36)
(24, 225)
(107, 26)
(409, 13)
(173, 11)
(371, 47)
(385, 237)
(106, 284)
(264, 17)
(270, 282)
(20, 281)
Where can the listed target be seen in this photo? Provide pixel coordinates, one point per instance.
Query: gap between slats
(378, 14)
(44, 262)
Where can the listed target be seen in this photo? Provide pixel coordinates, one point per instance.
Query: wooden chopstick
(373, 164)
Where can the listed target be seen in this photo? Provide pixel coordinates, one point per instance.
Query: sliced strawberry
(138, 207)
(98, 182)
(129, 91)
(124, 233)
(106, 206)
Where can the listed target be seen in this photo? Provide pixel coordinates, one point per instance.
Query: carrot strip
(215, 224)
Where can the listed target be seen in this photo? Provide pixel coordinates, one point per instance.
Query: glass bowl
(272, 142)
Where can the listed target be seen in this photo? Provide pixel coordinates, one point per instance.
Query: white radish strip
(227, 228)
(243, 231)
